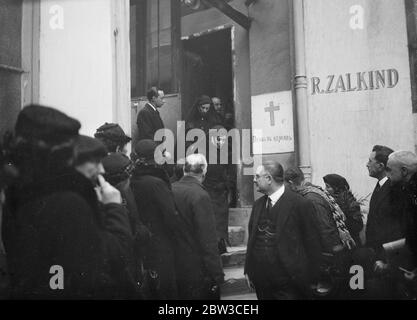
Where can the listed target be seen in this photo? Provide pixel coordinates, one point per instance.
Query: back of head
(43, 142)
(88, 149)
(118, 167)
(112, 135)
(382, 153)
(406, 159)
(275, 169)
(40, 123)
(151, 93)
(144, 151)
(337, 182)
(195, 165)
(294, 176)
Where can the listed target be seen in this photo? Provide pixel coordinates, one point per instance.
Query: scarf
(337, 214)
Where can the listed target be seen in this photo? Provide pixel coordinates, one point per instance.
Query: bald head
(401, 166)
(196, 166)
(269, 177)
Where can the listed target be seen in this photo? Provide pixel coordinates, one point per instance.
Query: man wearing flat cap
(61, 241)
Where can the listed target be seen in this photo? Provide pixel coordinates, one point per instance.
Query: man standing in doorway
(283, 253)
(149, 120)
(222, 117)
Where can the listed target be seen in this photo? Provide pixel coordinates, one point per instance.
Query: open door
(207, 69)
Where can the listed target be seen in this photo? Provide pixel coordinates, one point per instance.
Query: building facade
(323, 80)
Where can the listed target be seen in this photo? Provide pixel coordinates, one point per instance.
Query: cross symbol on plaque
(271, 109)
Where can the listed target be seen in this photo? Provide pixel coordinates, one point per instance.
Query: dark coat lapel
(380, 196)
(257, 214)
(150, 108)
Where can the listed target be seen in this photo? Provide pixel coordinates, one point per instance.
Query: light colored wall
(76, 61)
(345, 125)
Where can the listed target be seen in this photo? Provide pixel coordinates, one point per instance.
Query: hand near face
(107, 193)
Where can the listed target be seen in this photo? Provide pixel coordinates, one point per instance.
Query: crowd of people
(304, 240)
(123, 227)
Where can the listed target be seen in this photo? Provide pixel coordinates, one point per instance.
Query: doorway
(207, 69)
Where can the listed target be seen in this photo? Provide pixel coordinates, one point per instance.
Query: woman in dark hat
(339, 188)
(113, 137)
(53, 217)
(118, 171)
(88, 155)
(202, 115)
(152, 190)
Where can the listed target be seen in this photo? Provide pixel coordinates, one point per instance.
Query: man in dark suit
(383, 223)
(402, 172)
(283, 252)
(199, 267)
(149, 121)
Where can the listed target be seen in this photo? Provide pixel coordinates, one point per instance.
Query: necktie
(377, 187)
(268, 207)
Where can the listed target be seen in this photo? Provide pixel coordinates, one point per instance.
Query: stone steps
(237, 235)
(234, 257)
(235, 287)
(235, 283)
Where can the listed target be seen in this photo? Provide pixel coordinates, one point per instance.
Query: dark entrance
(207, 69)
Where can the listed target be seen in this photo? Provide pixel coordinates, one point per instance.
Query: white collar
(277, 195)
(152, 106)
(382, 181)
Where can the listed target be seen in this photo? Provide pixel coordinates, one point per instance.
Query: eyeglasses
(257, 176)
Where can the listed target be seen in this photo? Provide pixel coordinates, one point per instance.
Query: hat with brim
(145, 149)
(36, 122)
(112, 131)
(89, 149)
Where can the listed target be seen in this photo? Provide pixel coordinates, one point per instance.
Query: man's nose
(101, 169)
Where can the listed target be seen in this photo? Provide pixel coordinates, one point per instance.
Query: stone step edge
(234, 250)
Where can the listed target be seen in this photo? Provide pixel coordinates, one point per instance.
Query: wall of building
(344, 38)
(77, 59)
(271, 65)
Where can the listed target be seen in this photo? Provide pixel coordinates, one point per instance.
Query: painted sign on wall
(272, 123)
(358, 85)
